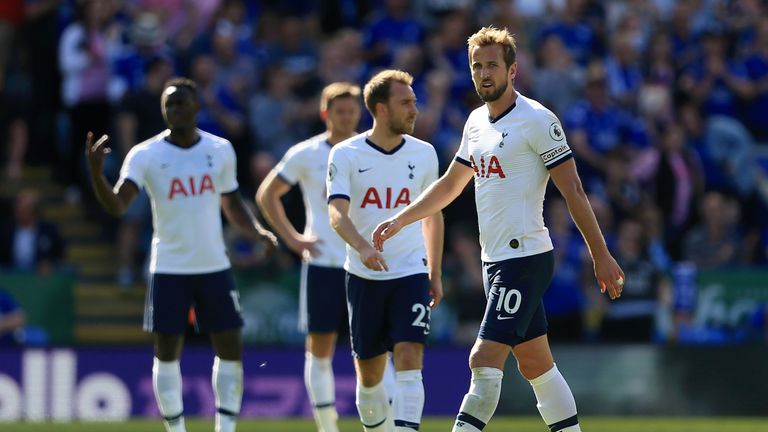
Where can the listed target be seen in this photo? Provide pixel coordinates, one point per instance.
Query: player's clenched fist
(383, 232)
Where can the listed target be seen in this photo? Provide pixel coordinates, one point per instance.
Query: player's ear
(324, 114)
(513, 71)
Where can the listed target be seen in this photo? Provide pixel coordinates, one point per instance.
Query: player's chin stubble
(493, 96)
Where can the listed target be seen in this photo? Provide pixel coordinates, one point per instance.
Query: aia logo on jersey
(487, 167)
(191, 187)
(374, 198)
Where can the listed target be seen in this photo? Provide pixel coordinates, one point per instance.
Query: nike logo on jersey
(502, 318)
(361, 170)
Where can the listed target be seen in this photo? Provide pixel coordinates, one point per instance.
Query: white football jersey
(378, 184)
(306, 163)
(511, 156)
(185, 187)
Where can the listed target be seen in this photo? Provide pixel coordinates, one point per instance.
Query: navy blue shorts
(383, 313)
(323, 299)
(514, 312)
(213, 295)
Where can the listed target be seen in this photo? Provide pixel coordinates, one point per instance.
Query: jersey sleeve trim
(335, 196)
(462, 161)
(559, 161)
(285, 179)
(135, 183)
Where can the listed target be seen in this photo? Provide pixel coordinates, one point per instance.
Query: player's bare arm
(240, 215)
(609, 275)
(114, 200)
(437, 196)
(338, 213)
(268, 199)
(433, 228)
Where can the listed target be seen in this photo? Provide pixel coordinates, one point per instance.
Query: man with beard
(511, 146)
(370, 177)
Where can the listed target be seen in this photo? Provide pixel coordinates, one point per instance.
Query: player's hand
(300, 244)
(609, 275)
(268, 242)
(385, 231)
(372, 258)
(435, 291)
(96, 152)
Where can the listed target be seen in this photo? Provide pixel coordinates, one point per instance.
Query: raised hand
(95, 153)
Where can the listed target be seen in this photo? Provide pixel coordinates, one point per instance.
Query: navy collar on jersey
(328, 143)
(199, 138)
(506, 111)
(393, 151)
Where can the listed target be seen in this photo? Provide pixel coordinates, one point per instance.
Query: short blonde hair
(337, 90)
(491, 35)
(376, 90)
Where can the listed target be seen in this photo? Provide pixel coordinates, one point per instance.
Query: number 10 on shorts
(504, 300)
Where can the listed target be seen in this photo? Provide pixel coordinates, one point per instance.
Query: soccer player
(370, 177)
(511, 145)
(189, 176)
(322, 297)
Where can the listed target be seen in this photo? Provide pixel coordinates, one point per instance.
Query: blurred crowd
(664, 103)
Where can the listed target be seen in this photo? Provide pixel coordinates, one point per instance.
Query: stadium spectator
(715, 242)
(757, 69)
(464, 283)
(30, 243)
(565, 300)
(188, 265)
(597, 127)
(633, 319)
(390, 29)
(87, 50)
(389, 308)
(558, 81)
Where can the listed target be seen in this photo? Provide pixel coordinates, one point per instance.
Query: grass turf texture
(513, 424)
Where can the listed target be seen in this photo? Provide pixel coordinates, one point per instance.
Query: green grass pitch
(501, 424)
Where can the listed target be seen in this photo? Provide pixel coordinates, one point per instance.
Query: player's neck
(497, 107)
(186, 137)
(335, 137)
(384, 138)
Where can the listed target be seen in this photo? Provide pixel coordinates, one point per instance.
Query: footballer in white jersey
(378, 184)
(511, 146)
(190, 178)
(322, 295)
(370, 177)
(188, 182)
(511, 156)
(306, 164)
